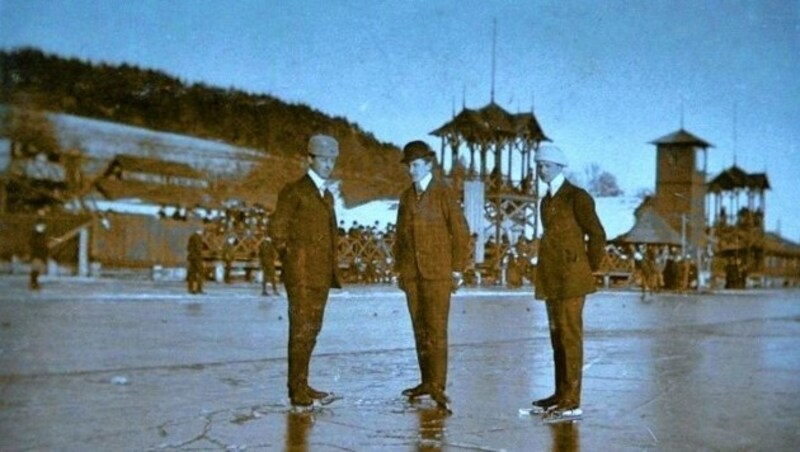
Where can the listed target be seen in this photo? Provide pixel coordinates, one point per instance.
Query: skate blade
(536, 411)
(557, 419)
(330, 399)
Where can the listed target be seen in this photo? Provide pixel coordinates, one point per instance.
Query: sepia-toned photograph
(435, 225)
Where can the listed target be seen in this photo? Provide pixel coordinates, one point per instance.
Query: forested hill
(155, 100)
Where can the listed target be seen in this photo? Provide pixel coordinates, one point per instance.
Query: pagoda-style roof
(466, 123)
(528, 127)
(497, 119)
(736, 178)
(729, 179)
(758, 181)
(683, 138)
(650, 228)
(492, 122)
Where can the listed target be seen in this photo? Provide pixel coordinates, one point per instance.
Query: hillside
(154, 101)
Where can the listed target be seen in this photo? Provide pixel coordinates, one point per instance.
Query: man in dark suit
(431, 250)
(195, 271)
(572, 247)
(305, 235)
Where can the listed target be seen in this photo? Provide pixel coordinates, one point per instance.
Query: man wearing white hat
(571, 248)
(304, 231)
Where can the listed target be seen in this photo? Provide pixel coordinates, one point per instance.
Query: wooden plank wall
(141, 241)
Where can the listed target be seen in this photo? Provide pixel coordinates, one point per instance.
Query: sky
(604, 79)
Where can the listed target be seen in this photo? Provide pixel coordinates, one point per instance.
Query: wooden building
(681, 160)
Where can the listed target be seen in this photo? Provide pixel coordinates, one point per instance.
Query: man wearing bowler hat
(431, 250)
(571, 248)
(304, 232)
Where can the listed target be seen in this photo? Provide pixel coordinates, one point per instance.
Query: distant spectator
(266, 256)
(195, 274)
(39, 253)
(670, 271)
(228, 254)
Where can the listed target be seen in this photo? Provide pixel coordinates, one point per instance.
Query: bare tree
(601, 183)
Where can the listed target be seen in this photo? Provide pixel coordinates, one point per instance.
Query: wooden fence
(136, 241)
(140, 241)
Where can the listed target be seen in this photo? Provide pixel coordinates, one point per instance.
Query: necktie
(549, 190)
(418, 190)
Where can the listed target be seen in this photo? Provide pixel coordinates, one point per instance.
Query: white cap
(323, 145)
(552, 154)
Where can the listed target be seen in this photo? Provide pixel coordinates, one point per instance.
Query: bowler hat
(551, 154)
(323, 146)
(415, 150)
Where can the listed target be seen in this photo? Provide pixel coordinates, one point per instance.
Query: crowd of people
(659, 268)
(365, 254)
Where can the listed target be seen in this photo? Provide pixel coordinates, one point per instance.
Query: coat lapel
(311, 190)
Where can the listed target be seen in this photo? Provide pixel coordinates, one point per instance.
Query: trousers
(306, 311)
(565, 317)
(429, 307)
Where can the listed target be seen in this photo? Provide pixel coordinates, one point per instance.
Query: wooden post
(83, 251)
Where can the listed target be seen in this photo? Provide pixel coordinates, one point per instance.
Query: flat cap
(552, 154)
(323, 146)
(416, 149)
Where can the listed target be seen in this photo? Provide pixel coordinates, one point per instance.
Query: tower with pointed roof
(680, 185)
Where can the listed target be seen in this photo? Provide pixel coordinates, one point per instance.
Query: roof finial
(681, 112)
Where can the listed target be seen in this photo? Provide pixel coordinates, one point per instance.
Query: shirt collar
(425, 181)
(318, 181)
(556, 183)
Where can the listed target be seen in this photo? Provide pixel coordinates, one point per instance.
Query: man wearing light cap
(304, 232)
(572, 247)
(431, 249)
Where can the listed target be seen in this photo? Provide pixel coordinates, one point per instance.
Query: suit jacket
(572, 246)
(432, 238)
(304, 231)
(194, 249)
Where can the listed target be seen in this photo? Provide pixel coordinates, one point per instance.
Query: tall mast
(735, 131)
(494, 47)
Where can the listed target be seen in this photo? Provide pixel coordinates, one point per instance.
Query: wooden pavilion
(492, 150)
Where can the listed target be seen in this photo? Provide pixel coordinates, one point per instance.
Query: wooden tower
(681, 186)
